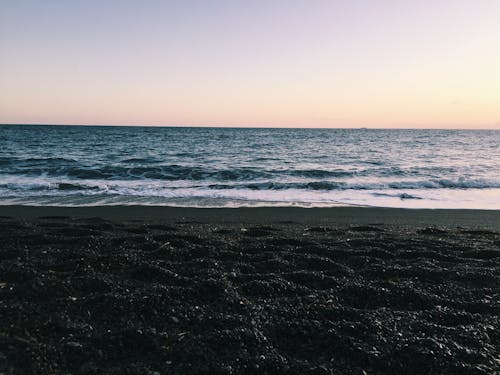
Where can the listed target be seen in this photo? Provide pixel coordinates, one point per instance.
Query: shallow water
(215, 167)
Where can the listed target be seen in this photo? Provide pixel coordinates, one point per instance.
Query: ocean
(234, 167)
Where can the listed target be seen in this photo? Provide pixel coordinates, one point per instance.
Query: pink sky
(307, 63)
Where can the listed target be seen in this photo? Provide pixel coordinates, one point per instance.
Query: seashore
(147, 290)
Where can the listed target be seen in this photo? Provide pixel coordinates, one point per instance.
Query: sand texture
(82, 295)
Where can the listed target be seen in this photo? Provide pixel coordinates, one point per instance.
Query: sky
(269, 63)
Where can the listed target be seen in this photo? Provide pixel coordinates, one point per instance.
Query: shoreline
(332, 215)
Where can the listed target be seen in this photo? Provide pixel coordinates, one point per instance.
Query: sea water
(234, 167)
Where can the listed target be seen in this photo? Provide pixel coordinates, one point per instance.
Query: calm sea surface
(210, 167)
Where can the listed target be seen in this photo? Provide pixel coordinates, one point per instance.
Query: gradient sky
(311, 63)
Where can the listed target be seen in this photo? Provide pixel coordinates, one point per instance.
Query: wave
(443, 198)
(26, 185)
(165, 172)
(49, 186)
(314, 194)
(340, 185)
(24, 162)
(161, 172)
(318, 173)
(150, 168)
(134, 171)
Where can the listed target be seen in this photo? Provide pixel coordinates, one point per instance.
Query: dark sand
(146, 290)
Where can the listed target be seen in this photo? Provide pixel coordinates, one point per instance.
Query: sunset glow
(313, 63)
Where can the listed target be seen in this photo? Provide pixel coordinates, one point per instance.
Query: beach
(147, 290)
(249, 187)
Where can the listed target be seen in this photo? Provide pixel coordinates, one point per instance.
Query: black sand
(156, 290)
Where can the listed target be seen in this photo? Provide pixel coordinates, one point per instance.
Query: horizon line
(496, 128)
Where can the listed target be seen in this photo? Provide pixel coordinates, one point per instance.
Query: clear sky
(311, 63)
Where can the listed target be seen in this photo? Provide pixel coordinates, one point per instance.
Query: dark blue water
(206, 167)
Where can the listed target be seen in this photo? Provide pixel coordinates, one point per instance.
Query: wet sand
(144, 290)
(337, 215)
